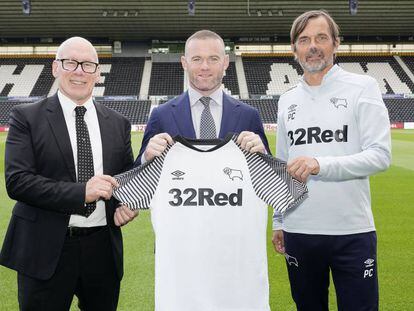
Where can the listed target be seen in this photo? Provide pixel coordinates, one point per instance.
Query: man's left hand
(124, 215)
(251, 142)
(301, 167)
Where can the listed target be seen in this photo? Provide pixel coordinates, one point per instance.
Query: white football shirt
(209, 214)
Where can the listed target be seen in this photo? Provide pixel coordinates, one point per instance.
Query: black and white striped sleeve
(272, 183)
(137, 186)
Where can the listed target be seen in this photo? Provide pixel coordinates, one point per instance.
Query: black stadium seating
(5, 109)
(409, 61)
(28, 86)
(258, 73)
(400, 110)
(230, 79)
(260, 80)
(372, 65)
(267, 108)
(122, 76)
(166, 79)
(136, 111)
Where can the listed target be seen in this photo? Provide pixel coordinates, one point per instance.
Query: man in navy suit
(204, 111)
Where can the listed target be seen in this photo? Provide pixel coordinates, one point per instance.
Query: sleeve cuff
(277, 226)
(143, 160)
(277, 222)
(322, 166)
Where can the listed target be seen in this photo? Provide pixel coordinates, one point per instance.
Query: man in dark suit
(204, 111)
(64, 236)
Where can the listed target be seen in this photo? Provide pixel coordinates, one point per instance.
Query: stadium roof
(157, 19)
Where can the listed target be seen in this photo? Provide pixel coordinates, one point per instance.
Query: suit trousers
(86, 269)
(352, 260)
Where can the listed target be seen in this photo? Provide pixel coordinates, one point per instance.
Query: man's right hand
(157, 145)
(99, 187)
(278, 242)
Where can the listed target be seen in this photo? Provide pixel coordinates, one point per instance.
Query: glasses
(319, 39)
(72, 65)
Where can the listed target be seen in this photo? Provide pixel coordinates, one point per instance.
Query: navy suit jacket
(174, 118)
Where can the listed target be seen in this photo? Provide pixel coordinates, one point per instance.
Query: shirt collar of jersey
(327, 78)
(216, 96)
(68, 105)
(215, 143)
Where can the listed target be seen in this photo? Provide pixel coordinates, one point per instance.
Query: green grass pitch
(393, 205)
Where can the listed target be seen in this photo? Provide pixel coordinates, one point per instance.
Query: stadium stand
(409, 61)
(267, 108)
(136, 111)
(166, 79)
(25, 76)
(5, 109)
(270, 75)
(33, 76)
(275, 75)
(265, 75)
(122, 75)
(391, 78)
(230, 80)
(400, 110)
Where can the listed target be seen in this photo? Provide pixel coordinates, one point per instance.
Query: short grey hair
(75, 40)
(203, 35)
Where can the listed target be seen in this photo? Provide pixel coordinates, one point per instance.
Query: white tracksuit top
(344, 124)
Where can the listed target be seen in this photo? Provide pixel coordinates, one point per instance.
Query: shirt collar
(68, 105)
(216, 96)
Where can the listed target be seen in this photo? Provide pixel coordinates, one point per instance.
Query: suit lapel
(182, 116)
(105, 128)
(60, 131)
(231, 116)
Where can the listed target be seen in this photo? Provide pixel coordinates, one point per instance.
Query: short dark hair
(302, 21)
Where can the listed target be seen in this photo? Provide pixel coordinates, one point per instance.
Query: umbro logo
(178, 175)
(369, 262)
(291, 112)
(339, 102)
(369, 270)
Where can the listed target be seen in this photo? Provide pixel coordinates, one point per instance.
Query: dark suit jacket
(41, 177)
(174, 118)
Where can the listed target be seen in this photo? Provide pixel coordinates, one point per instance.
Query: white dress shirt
(98, 217)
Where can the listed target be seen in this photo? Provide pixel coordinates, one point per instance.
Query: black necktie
(85, 158)
(207, 125)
